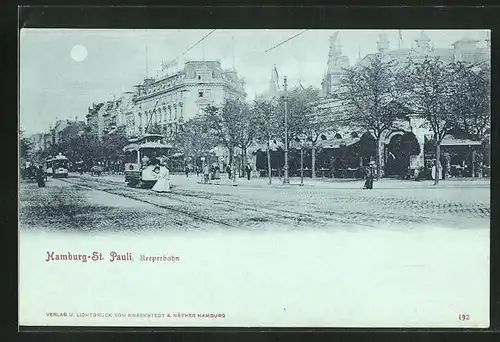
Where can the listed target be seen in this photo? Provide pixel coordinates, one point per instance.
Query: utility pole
(285, 179)
(232, 40)
(147, 61)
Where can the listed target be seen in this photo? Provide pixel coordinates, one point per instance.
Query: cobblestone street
(253, 205)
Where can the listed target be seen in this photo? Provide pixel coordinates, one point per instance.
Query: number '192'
(463, 317)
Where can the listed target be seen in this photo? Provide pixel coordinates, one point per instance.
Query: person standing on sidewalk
(228, 170)
(206, 174)
(40, 176)
(369, 175)
(248, 170)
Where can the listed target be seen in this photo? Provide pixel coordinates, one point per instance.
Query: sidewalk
(384, 183)
(351, 183)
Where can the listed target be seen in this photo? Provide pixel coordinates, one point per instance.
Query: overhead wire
(198, 42)
(193, 46)
(287, 40)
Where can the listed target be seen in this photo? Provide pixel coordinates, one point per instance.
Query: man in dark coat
(369, 175)
(248, 170)
(228, 170)
(40, 176)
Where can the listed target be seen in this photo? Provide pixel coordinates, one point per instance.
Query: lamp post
(286, 179)
(203, 169)
(302, 138)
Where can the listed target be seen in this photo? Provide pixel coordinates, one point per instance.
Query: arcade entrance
(398, 152)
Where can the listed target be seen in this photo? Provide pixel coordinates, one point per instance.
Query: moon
(79, 53)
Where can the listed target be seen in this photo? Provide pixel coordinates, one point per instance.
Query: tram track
(284, 216)
(191, 215)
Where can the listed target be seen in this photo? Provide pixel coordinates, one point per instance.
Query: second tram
(47, 165)
(60, 166)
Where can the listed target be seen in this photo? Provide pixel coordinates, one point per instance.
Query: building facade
(333, 110)
(173, 99)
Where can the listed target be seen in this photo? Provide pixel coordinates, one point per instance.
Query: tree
(193, 138)
(266, 124)
(428, 90)
(225, 124)
(25, 145)
(313, 125)
(370, 94)
(247, 122)
(471, 98)
(113, 143)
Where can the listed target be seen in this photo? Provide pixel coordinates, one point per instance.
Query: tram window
(131, 157)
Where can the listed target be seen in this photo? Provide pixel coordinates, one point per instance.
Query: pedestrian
(217, 174)
(206, 174)
(228, 170)
(212, 172)
(248, 170)
(369, 175)
(163, 182)
(186, 170)
(40, 176)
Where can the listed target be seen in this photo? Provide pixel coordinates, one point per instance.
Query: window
(200, 93)
(175, 112)
(207, 92)
(180, 110)
(199, 77)
(170, 113)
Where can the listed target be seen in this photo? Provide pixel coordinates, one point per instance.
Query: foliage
(300, 118)
(471, 98)
(193, 138)
(371, 97)
(25, 145)
(428, 90)
(266, 120)
(369, 93)
(113, 143)
(227, 124)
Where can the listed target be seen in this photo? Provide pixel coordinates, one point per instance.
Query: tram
(60, 166)
(140, 156)
(47, 165)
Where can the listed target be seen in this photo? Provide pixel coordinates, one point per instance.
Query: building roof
(423, 37)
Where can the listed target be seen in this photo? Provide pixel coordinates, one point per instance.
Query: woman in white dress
(163, 182)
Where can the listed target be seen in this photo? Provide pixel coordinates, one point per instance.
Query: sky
(59, 79)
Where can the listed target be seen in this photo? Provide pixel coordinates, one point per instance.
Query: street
(85, 203)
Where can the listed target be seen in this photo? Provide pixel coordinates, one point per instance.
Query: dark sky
(55, 85)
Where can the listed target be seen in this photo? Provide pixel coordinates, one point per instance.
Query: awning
(337, 143)
(132, 147)
(450, 140)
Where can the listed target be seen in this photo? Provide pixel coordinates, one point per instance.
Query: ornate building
(338, 133)
(173, 99)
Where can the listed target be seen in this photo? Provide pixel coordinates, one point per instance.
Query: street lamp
(302, 139)
(285, 179)
(202, 169)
